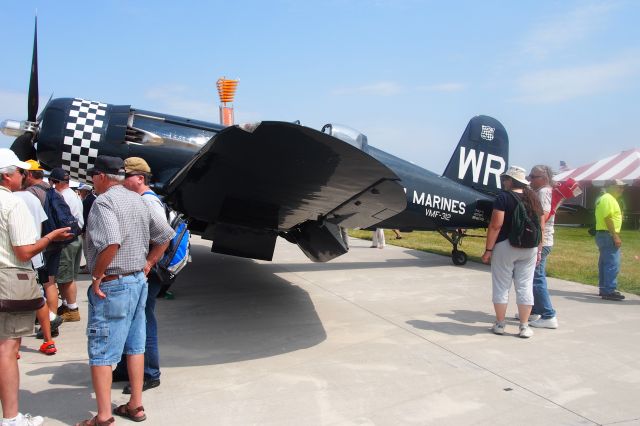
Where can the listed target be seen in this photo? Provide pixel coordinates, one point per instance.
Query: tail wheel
(458, 257)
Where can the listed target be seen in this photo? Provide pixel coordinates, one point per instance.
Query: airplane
(242, 186)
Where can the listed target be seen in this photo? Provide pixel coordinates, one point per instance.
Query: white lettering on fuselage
(474, 160)
(437, 202)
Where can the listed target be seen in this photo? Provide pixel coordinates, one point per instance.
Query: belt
(602, 231)
(116, 277)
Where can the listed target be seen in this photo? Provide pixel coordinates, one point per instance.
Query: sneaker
(24, 420)
(545, 323)
(498, 327)
(146, 385)
(532, 317)
(71, 315)
(525, 331)
(62, 309)
(54, 333)
(615, 295)
(48, 348)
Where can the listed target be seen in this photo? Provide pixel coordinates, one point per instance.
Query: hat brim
(23, 165)
(523, 181)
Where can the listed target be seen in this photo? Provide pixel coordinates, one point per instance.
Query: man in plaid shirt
(120, 230)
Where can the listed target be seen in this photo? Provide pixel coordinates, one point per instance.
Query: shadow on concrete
(70, 388)
(231, 309)
(591, 297)
(460, 326)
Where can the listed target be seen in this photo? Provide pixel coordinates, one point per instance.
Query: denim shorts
(117, 323)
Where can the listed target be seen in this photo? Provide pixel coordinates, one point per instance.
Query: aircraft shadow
(229, 309)
(422, 260)
(462, 323)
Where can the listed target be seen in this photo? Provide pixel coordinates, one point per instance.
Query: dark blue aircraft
(243, 186)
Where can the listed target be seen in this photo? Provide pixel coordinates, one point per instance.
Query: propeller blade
(23, 147)
(39, 118)
(32, 109)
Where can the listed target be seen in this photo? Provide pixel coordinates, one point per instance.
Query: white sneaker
(545, 323)
(532, 317)
(24, 420)
(498, 327)
(525, 331)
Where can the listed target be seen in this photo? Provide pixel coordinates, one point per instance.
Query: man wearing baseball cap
(608, 225)
(71, 254)
(19, 242)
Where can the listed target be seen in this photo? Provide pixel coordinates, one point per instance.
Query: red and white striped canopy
(624, 166)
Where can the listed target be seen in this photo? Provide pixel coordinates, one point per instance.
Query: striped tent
(624, 166)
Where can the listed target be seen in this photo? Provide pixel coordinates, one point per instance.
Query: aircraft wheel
(458, 257)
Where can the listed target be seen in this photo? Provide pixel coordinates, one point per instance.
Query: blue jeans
(151, 353)
(608, 263)
(541, 301)
(116, 323)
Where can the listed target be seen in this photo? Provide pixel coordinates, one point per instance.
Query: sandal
(94, 422)
(130, 413)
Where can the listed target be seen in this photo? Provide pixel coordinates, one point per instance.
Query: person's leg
(609, 258)
(51, 294)
(101, 377)
(541, 299)
(135, 367)
(151, 352)
(523, 270)
(501, 278)
(10, 377)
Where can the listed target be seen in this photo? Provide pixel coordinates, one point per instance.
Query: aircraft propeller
(23, 144)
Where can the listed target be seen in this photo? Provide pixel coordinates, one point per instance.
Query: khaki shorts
(69, 262)
(16, 324)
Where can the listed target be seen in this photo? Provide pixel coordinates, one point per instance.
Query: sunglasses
(128, 175)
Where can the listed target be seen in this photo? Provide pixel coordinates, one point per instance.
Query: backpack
(525, 230)
(177, 255)
(59, 216)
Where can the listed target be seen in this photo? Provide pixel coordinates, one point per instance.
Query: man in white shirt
(71, 254)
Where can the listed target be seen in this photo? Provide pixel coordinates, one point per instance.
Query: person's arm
(155, 254)
(612, 230)
(104, 259)
(497, 219)
(26, 252)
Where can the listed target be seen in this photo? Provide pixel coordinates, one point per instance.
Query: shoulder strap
(166, 208)
(151, 193)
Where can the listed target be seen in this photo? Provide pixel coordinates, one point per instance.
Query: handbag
(19, 290)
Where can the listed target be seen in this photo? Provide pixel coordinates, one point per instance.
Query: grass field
(574, 256)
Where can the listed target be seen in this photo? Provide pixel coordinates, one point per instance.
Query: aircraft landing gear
(458, 257)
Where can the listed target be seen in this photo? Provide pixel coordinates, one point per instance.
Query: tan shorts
(16, 324)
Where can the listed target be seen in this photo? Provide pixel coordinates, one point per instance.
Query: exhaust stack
(226, 91)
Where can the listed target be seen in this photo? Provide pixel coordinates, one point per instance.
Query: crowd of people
(123, 232)
(525, 266)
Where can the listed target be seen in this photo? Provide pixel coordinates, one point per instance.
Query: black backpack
(525, 229)
(59, 216)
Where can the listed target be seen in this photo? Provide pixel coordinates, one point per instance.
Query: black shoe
(147, 384)
(615, 295)
(116, 377)
(54, 333)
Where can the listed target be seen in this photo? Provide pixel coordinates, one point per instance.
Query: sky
(561, 76)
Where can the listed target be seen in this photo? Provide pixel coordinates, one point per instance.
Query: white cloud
(443, 87)
(564, 31)
(382, 88)
(557, 85)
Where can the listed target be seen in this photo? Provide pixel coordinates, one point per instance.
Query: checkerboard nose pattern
(85, 128)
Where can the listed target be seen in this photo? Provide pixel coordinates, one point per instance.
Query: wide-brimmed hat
(134, 165)
(8, 158)
(517, 173)
(107, 164)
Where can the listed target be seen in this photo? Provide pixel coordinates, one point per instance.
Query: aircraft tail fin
(481, 155)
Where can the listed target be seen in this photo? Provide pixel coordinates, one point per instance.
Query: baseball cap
(35, 165)
(136, 165)
(8, 158)
(107, 164)
(59, 174)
